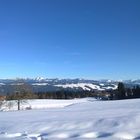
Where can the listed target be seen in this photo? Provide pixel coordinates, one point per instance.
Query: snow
(84, 86)
(73, 120)
(40, 78)
(101, 84)
(109, 81)
(89, 86)
(113, 87)
(40, 84)
(18, 84)
(38, 104)
(2, 84)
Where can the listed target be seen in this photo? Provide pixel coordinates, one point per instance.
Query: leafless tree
(22, 92)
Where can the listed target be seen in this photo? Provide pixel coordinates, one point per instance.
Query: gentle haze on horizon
(93, 39)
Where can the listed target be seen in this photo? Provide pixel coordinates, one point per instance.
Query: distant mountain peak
(40, 78)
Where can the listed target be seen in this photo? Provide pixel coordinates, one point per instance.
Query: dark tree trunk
(18, 104)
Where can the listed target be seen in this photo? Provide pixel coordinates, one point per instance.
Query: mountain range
(41, 84)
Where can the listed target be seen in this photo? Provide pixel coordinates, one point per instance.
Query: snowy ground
(79, 119)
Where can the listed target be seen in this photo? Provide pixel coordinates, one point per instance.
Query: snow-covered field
(72, 120)
(38, 104)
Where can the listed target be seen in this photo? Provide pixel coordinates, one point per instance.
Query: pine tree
(121, 91)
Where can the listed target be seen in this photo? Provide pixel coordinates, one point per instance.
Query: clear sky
(93, 39)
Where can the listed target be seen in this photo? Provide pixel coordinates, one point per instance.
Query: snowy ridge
(40, 84)
(89, 86)
(84, 86)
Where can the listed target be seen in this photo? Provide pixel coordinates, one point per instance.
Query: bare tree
(22, 92)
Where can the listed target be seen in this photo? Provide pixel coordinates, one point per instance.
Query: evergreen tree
(121, 91)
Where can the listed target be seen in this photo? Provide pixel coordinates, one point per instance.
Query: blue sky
(94, 39)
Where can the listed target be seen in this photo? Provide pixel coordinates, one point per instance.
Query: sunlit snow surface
(73, 120)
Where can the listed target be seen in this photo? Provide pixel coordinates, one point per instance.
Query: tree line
(123, 92)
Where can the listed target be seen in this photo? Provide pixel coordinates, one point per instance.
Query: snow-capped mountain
(45, 84)
(40, 79)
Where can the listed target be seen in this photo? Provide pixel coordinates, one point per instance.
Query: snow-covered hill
(79, 119)
(89, 86)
